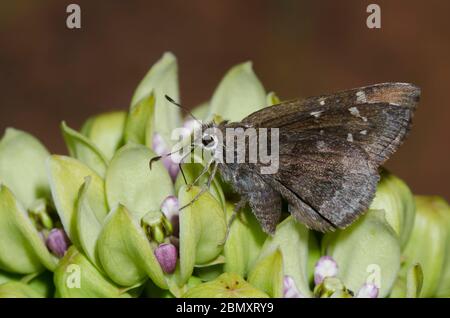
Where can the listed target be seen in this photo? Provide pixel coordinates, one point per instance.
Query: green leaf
(202, 230)
(244, 242)
(125, 253)
(18, 290)
(83, 149)
(227, 285)
(66, 176)
(76, 277)
(162, 79)
(140, 122)
(239, 94)
(22, 166)
(292, 239)
(267, 274)
(106, 131)
(88, 223)
(21, 248)
(129, 181)
(366, 251)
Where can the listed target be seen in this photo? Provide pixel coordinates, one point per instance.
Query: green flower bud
(202, 230)
(227, 285)
(395, 198)
(125, 253)
(22, 166)
(428, 242)
(292, 239)
(368, 251)
(130, 182)
(140, 122)
(267, 274)
(162, 79)
(156, 226)
(90, 214)
(244, 243)
(67, 176)
(83, 149)
(191, 172)
(22, 250)
(106, 131)
(239, 94)
(76, 277)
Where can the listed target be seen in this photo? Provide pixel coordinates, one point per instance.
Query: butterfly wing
(331, 147)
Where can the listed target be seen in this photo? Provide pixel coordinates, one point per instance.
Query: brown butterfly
(330, 149)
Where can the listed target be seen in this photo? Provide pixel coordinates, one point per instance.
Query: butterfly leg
(242, 202)
(204, 188)
(205, 170)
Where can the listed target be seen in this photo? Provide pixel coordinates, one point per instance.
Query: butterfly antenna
(183, 108)
(157, 158)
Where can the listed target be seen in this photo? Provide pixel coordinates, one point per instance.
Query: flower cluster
(100, 223)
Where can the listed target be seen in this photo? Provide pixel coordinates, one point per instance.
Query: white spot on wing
(361, 97)
(322, 101)
(350, 137)
(355, 112)
(321, 146)
(363, 132)
(316, 113)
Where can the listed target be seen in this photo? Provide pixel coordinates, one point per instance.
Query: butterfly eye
(208, 141)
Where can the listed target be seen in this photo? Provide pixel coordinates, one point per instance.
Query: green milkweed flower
(100, 223)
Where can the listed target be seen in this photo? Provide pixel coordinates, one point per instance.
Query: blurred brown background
(299, 48)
